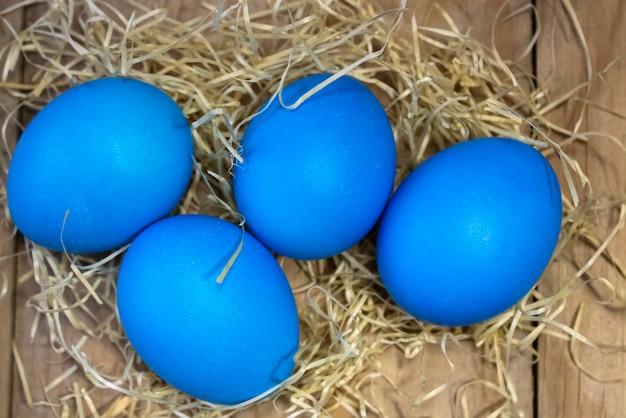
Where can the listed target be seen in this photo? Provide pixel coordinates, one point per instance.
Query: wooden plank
(35, 354)
(43, 364)
(599, 389)
(7, 241)
(430, 369)
(511, 39)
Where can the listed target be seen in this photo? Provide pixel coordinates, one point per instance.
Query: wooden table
(552, 387)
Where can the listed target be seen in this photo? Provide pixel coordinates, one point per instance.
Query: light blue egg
(315, 180)
(469, 232)
(98, 164)
(219, 342)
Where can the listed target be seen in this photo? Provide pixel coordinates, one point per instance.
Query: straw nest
(439, 87)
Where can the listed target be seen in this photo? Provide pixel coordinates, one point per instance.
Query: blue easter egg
(223, 342)
(469, 232)
(315, 179)
(98, 164)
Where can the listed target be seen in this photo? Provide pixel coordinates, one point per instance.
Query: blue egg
(219, 342)
(315, 179)
(98, 164)
(469, 232)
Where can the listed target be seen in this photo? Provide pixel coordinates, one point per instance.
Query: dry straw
(439, 87)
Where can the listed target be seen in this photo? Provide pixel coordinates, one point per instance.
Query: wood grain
(7, 240)
(563, 389)
(430, 369)
(41, 362)
(415, 376)
(35, 352)
(511, 38)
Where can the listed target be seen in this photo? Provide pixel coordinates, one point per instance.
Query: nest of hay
(438, 86)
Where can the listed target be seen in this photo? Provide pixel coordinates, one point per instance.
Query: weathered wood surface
(555, 387)
(564, 390)
(9, 135)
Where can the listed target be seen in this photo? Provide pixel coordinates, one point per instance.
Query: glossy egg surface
(469, 232)
(98, 164)
(225, 342)
(316, 178)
